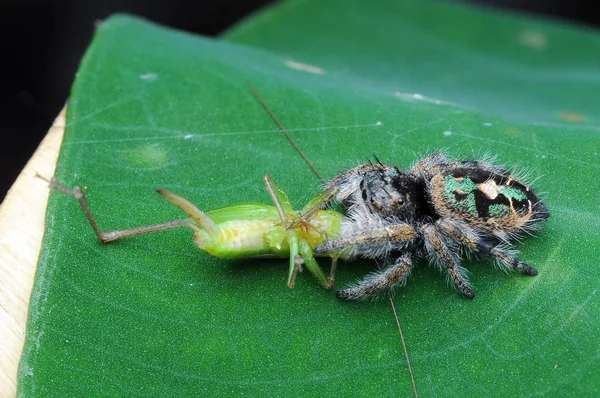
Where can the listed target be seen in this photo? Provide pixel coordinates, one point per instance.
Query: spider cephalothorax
(379, 191)
(436, 209)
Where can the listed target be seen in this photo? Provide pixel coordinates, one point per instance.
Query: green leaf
(150, 107)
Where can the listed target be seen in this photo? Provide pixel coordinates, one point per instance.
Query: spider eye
(399, 200)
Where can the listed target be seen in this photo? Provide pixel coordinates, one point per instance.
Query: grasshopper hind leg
(110, 236)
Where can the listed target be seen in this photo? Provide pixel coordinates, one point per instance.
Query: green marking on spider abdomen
(492, 197)
(451, 184)
(498, 211)
(460, 194)
(513, 193)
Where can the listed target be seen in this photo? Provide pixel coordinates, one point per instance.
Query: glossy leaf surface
(153, 315)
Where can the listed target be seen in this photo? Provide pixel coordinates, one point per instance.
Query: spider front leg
(379, 282)
(444, 257)
(471, 240)
(373, 242)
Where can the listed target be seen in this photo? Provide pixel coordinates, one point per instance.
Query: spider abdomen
(486, 199)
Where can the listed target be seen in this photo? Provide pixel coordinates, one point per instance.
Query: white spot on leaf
(304, 67)
(533, 39)
(420, 97)
(149, 76)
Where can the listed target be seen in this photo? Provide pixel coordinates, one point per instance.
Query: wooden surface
(22, 217)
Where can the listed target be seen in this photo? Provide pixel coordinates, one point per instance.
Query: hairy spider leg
(507, 258)
(301, 251)
(378, 241)
(470, 239)
(371, 238)
(377, 283)
(109, 236)
(443, 257)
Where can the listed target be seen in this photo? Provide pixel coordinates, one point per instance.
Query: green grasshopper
(246, 229)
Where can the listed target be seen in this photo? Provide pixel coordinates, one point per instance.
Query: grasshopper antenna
(314, 169)
(410, 371)
(284, 131)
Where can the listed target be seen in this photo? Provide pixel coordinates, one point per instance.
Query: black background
(41, 43)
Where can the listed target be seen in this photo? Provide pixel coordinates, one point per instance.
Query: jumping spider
(441, 209)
